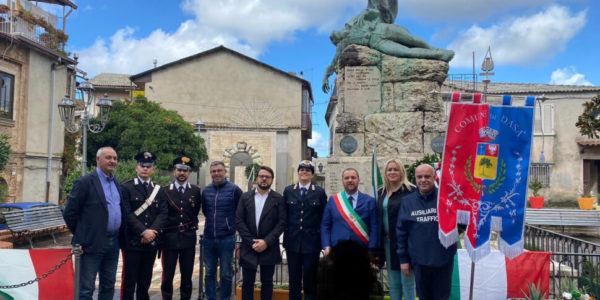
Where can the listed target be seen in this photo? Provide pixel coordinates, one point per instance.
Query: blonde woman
(396, 186)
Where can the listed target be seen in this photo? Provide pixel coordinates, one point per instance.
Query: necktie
(302, 193)
(350, 200)
(146, 187)
(181, 190)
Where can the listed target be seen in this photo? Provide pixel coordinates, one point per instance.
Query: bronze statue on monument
(374, 28)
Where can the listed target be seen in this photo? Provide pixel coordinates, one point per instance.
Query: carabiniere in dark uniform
(179, 238)
(143, 212)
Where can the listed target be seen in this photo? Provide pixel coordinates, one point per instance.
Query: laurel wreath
(492, 188)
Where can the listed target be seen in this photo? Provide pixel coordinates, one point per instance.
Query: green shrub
(535, 186)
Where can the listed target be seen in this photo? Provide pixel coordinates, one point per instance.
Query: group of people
(145, 220)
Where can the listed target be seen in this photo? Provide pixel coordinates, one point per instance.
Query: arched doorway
(239, 159)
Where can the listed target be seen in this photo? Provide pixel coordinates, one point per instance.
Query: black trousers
(433, 283)
(186, 266)
(266, 282)
(302, 267)
(137, 273)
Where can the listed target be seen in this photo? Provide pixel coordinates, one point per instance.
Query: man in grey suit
(260, 220)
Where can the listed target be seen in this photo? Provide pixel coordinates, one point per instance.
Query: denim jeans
(220, 249)
(104, 264)
(399, 284)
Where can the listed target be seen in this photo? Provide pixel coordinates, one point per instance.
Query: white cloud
(247, 26)
(124, 53)
(260, 21)
(319, 144)
(530, 40)
(568, 76)
(466, 10)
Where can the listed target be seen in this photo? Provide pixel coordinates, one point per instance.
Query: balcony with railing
(22, 18)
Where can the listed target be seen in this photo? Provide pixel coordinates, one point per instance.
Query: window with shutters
(544, 119)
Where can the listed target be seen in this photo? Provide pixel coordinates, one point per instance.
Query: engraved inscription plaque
(362, 90)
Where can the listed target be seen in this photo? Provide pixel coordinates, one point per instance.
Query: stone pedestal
(387, 101)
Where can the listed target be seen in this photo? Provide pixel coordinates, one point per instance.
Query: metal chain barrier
(60, 264)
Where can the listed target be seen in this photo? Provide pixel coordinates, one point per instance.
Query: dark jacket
(86, 214)
(181, 227)
(303, 224)
(393, 206)
(218, 207)
(417, 232)
(154, 217)
(271, 226)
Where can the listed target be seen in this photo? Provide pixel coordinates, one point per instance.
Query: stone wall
(384, 101)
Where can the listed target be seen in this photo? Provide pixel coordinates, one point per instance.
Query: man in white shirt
(260, 220)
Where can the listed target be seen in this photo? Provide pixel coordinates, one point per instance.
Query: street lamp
(66, 110)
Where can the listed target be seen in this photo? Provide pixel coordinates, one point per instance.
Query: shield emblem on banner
(486, 161)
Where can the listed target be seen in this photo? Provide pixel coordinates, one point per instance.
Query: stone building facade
(246, 111)
(34, 80)
(115, 86)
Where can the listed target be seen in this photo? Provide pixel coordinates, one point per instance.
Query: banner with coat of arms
(484, 175)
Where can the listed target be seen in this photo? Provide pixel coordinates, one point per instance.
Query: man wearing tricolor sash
(146, 215)
(349, 215)
(419, 249)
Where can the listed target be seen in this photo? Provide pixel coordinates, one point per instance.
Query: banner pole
(77, 251)
(472, 280)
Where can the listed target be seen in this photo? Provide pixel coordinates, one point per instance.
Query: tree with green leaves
(145, 125)
(589, 121)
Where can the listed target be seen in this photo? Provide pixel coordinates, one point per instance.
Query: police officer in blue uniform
(179, 240)
(305, 203)
(146, 215)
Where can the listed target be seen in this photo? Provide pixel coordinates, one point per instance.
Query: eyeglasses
(265, 176)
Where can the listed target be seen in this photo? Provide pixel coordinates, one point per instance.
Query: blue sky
(532, 41)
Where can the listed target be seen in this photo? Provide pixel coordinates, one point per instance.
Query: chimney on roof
(301, 74)
(155, 62)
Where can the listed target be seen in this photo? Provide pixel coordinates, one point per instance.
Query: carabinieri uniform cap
(145, 158)
(183, 163)
(307, 164)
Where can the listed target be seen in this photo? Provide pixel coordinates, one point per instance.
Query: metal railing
(541, 172)
(571, 259)
(280, 278)
(466, 82)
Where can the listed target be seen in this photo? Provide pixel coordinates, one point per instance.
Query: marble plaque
(362, 90)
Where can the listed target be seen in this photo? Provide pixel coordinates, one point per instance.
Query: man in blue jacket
(96, 216)
(349, 215)
(419, 248)
(219, 202)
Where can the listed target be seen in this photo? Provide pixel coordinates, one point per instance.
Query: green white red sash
(353, 220)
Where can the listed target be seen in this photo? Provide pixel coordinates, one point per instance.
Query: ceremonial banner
(18, 266)
(499, 278)
(484, 175)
